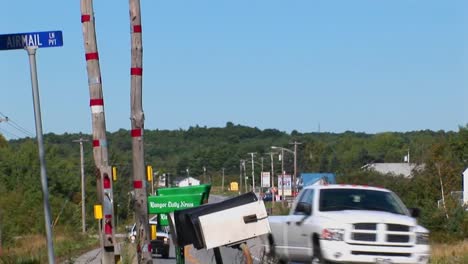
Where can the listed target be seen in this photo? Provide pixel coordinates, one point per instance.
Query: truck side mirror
(415, 212)
(303, 208)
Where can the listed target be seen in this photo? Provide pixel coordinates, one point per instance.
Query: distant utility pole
(204, 174)
(100, 147)
(253, 170)
(240, 176)
(261, 159)
(245, 176)
(83, 185)
(1, 223)
(222, 184)
(282, 175)
(272, 175)
(137, 121)
(295, 143)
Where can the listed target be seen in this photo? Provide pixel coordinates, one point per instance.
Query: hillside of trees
(445, 155)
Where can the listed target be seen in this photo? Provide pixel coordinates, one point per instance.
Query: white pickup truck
(348, 224)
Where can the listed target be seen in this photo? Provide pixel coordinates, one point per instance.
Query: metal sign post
(31, 42)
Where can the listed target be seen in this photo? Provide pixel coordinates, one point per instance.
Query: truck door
(299, 238)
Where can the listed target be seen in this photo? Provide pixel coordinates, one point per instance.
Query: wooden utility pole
(222, 184)
(100, 151)
(83, 185)
(273, 193)
(294, 192)
(137, 120)
(1, 223)
(252, 154)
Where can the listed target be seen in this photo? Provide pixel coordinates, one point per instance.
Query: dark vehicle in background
(268, 197)
(161, 245)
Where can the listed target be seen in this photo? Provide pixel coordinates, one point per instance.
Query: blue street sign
(44, 39)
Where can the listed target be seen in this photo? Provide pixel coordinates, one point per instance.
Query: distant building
(460, 196)
(396, 169)
(312, 178)
(162, 180)
(186, 181)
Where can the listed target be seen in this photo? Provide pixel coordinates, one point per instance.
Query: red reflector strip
(137, 29)
(93, 102)
(136, 71)
(85, 18)
(96, 143)
(92, 56)
(136, 132)
(150, 249)
(137, 184)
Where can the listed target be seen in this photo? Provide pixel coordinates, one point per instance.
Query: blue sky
(363, 65)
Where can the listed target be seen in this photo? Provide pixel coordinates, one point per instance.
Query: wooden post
(100, 151)
(137, 122)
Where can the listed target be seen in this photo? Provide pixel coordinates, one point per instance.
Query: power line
(15, 125)
(11, 135)
(19, 128)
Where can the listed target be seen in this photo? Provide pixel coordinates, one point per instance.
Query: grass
(277, 208)
(33, 248)
(452, 253)
(128, 253)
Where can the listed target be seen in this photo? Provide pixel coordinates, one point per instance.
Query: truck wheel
(165, 253)
(317, 257)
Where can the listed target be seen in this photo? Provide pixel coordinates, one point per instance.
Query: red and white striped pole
(100, 149)
(137, 123)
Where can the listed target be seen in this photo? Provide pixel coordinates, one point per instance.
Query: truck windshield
(360, 199)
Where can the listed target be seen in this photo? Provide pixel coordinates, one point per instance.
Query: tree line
(444, 153)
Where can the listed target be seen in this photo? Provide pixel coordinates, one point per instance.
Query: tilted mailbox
(244, 215)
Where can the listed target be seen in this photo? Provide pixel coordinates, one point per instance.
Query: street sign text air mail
(44, 39)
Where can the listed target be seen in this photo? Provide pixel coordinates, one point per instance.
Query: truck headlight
(333, 234)
(166, 240)
(422, 238)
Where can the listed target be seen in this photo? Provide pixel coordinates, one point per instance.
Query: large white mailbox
(235, 224)
(226, 223)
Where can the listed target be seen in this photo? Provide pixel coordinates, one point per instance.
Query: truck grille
(364, 237)
(382, 234)
(398, 238)
(398, 228)
(365, 226)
